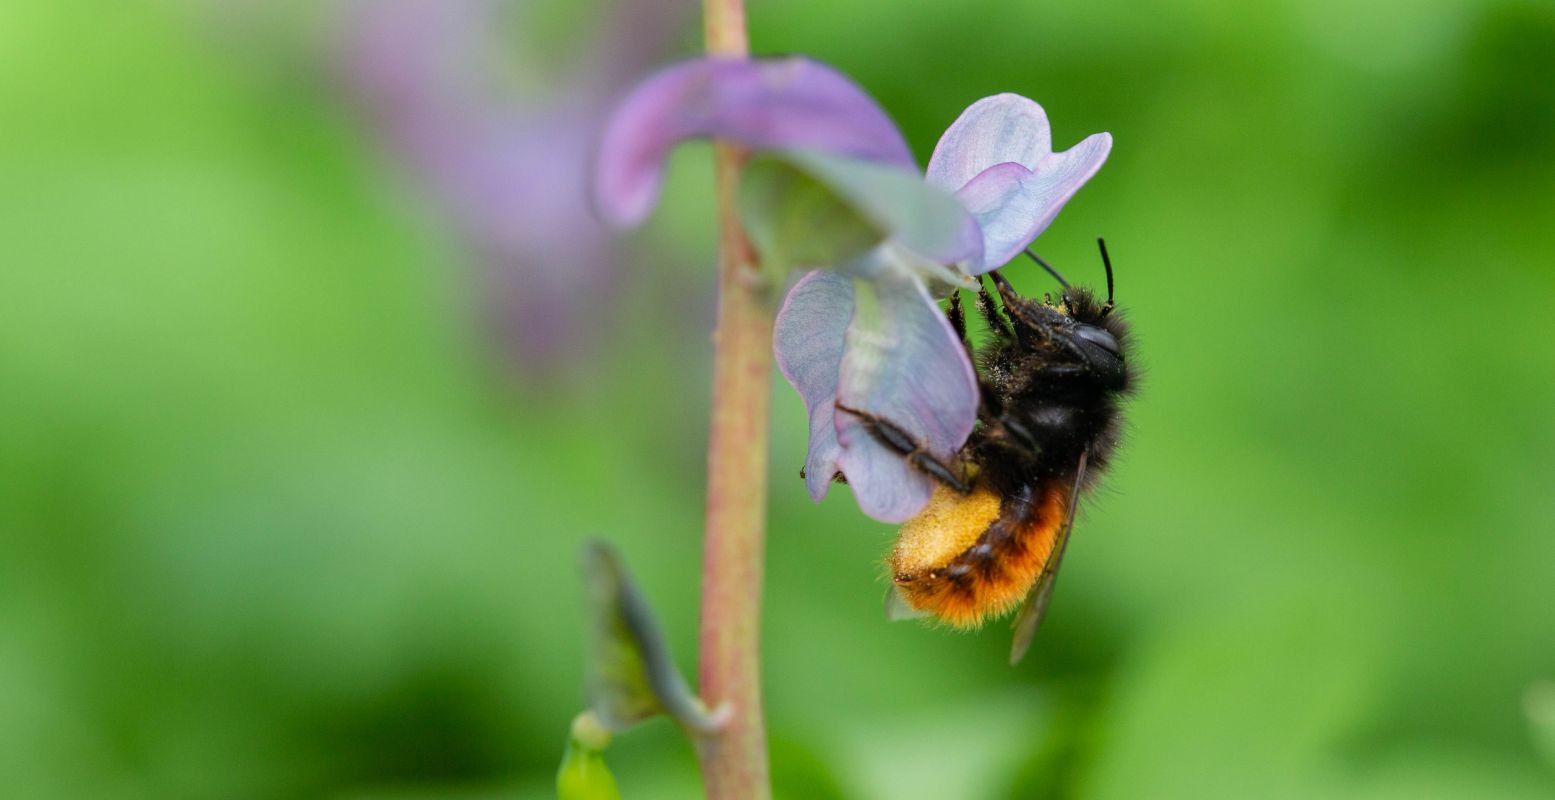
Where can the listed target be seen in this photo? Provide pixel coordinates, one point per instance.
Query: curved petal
(904, 363)
(994, 130)
(808, 340)
(771, 103)
(923, 218)
(1013, 205)
(808, 209)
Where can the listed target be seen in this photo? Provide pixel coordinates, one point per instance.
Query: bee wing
(1035, 606)
(897, 609)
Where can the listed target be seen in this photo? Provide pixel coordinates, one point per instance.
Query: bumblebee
(1051, 382)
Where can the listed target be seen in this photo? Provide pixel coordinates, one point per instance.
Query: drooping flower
(861, 328)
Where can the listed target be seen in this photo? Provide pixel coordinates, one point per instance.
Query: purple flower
(501, 143)
(836, 193)
(998, 158)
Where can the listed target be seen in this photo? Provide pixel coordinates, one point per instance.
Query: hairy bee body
(961, 565)
(1051, 381)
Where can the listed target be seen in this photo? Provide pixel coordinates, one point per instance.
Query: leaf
(628, 670)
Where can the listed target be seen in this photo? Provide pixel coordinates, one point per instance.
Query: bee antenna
(1106, 262)
(1049, 268)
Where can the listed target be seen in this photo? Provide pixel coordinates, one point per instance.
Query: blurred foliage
(629, 673)
(583, 774)
(278, 520)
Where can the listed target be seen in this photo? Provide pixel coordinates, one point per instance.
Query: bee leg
(930, 465)
(1009, 434)
(837, 477)
(1026, 319)
(1021, 435)
(1020, 311)
(958, 320)
(901, 442)
(990, 312)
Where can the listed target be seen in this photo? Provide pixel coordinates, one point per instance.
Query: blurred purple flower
(863, 329)
(447, 93)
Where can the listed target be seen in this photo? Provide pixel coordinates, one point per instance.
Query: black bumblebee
(994, 534)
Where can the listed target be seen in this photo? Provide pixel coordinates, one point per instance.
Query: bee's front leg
(902, 443)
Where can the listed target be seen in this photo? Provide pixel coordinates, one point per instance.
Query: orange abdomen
(965, 558)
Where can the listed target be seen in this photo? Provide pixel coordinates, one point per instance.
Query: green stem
(734, 761)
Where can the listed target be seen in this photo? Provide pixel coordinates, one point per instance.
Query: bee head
(1098, 334)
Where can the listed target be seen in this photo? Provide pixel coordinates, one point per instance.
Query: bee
(1051, 383)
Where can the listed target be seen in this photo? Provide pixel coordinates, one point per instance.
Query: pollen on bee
(948, 525)
(964, 559)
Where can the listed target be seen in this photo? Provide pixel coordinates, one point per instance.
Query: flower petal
(808, 340)
(998, 158)
(904, 363)
(798, 221)
(923, 218)
(994, 130)
(771, 103)
(808, 209)
(1014, 205)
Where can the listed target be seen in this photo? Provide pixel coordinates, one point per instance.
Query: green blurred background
(283, 513)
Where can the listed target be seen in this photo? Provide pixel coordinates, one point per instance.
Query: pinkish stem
(734, 761)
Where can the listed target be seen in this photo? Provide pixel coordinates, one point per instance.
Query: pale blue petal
(1004, 128)
(904, 363)
(998, 158)
(1013, 205)
(808, 340)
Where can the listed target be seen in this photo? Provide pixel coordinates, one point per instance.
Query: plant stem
(734, 761)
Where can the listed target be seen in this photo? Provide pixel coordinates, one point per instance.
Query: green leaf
(629, 672)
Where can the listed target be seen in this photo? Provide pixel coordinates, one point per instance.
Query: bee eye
(1100, 338)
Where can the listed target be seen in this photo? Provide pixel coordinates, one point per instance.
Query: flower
(839, 196)
(502, 145)
(998, 158)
